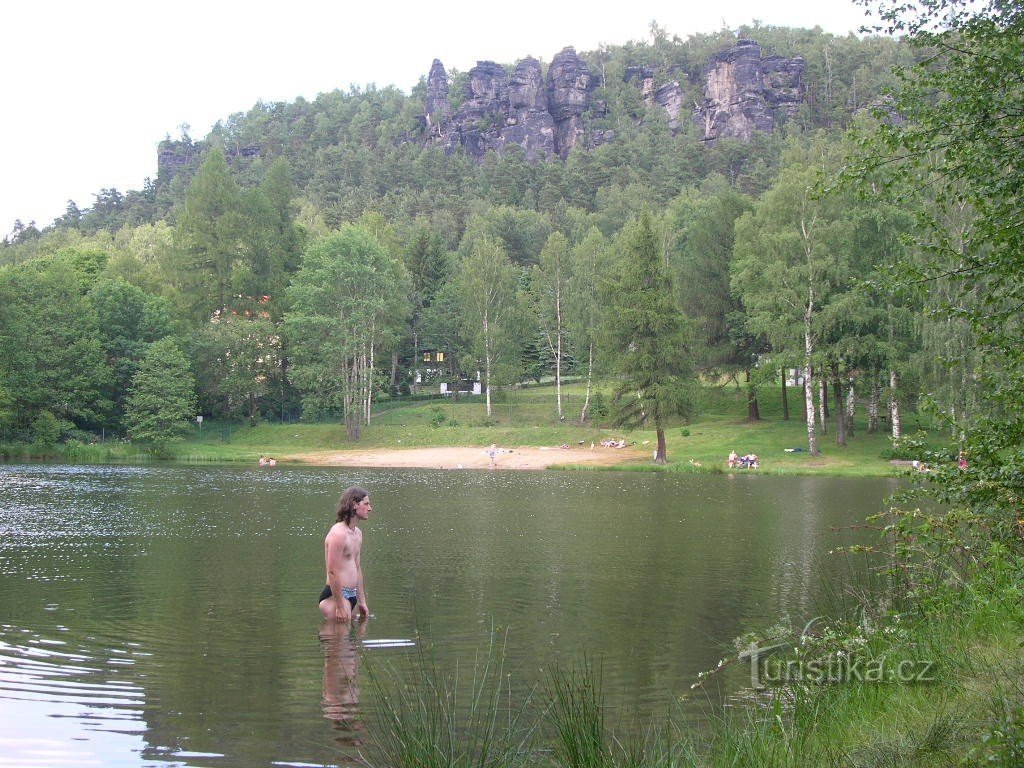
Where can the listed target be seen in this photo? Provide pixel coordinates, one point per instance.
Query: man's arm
(361, 591)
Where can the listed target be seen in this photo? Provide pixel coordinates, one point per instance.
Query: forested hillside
(307, 258)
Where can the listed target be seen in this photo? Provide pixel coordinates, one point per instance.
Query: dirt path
(473, 457)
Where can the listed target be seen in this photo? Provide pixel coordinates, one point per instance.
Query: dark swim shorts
(347, 592)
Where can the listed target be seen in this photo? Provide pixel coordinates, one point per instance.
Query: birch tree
(487, 286)
(590, 259)
(548, 298)
(790, 258)
(339, 300)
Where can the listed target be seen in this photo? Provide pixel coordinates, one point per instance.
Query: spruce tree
(648, 338)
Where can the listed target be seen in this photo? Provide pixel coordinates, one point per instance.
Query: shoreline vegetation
(447, 434)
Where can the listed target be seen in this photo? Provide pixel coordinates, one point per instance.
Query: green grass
(969, 712)
(528, 418)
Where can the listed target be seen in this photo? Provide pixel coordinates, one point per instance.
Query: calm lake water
(166, 615)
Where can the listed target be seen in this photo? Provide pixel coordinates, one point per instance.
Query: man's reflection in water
(341, 678)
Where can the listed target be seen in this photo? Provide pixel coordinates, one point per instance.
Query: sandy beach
(475, 457)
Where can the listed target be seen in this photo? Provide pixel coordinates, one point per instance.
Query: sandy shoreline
(474, 457)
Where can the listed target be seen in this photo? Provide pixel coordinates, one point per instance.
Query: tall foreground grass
(935, 681)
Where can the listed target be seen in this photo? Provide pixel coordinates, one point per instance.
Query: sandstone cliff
(745, 92)
(742, 91)
(543, 116)
(546, 115)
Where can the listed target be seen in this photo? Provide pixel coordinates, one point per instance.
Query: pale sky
(91, 88)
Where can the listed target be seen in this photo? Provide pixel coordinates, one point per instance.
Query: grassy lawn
(527, 417)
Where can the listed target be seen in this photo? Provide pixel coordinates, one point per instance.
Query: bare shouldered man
(345, 591)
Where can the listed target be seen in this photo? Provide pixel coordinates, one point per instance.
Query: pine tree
(648, 337)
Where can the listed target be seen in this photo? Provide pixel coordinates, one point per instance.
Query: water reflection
(174, 603)
(340, 699)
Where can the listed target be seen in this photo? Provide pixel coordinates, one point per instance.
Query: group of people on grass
(747, 461)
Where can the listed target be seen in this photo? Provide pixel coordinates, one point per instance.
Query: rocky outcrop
(569, 87)
(668, 96)
(499, 109)
(437, 107)
(744, 92)
(546, 115)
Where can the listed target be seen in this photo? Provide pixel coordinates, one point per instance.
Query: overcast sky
(90, 88)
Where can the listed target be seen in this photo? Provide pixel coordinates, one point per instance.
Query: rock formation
(569, 87)
(668, 96)
(744, 92)
(500, 109)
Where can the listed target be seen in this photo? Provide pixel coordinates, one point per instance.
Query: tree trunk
(812, 439)
(558, 352)
(837, 390)
(368, 383)
(894, 407)
(851, 404)
(414, 387)
(487, 364)
(590, 378)
(393, 386)
(753, 411)
(661, 456)
(823, 405)
(785, 398)
(351, 396)
(874, 403)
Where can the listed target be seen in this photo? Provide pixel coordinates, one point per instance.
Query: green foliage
(239, 364)
(341, 298)
(432, 719)
(227, 235)
(127, 320)
(647, 337)
(702, 222)
(494, 315)
(207, 238)
(578, 718)
(45, 429)
(53, 359)
(161, 400)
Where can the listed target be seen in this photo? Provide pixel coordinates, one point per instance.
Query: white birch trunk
(821, 406)
(851, 406)
(369, 382)
(590, 379)
(894, 407)
(558, 352)
(812, 437)
(873, 404)
(487, 362)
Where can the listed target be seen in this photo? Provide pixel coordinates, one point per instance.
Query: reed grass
(422, 720)
(969, 710)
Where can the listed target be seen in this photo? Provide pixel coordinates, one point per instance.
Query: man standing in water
(344, 591)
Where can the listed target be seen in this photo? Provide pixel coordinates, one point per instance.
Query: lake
(166, 615)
